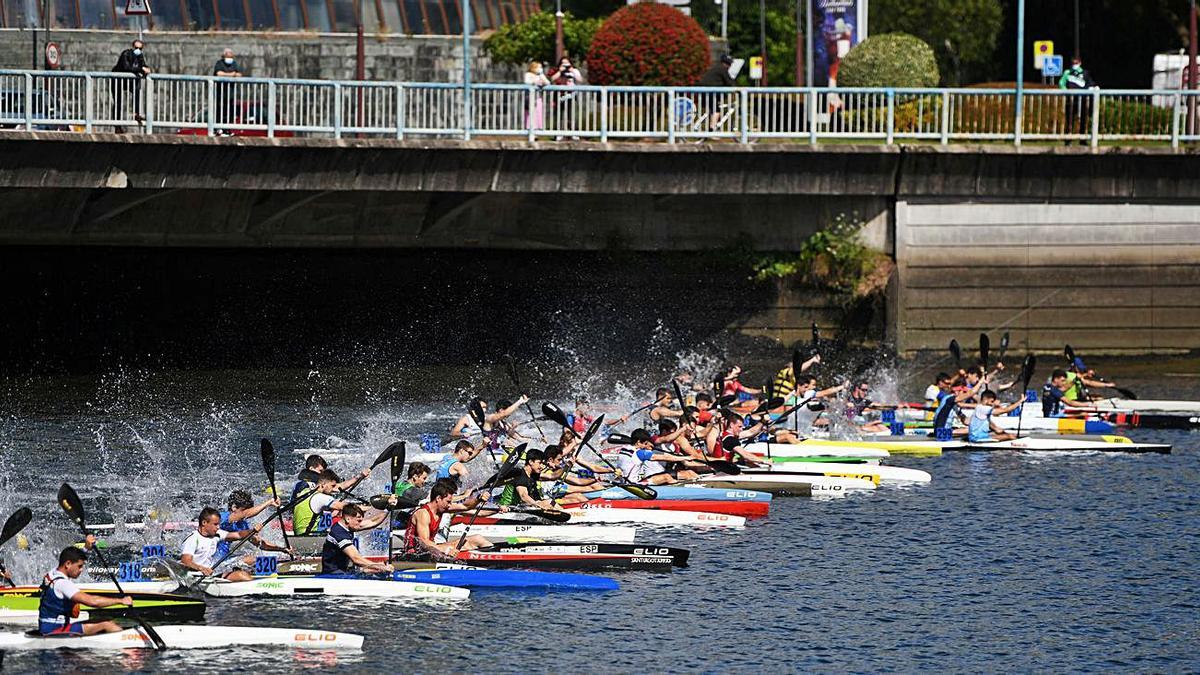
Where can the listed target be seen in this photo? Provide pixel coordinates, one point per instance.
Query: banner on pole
(838, 25)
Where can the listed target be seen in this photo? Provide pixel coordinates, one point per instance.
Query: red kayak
(732, 508)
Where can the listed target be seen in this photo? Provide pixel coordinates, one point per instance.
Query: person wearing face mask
(226, 66)
(133, 61)
(535, 109)
(566, 75)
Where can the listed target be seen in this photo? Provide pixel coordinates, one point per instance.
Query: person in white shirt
(199, 550)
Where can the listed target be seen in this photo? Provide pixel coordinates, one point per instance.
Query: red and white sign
(53, 56)
(137, 7)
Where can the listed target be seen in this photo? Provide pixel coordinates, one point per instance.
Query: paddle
(510, 366)
(475, 410)
(395, 451)
(591, 431)
(555, 413)
(1003, 347)
(729, 443)
(268, 461)
(544, 514)
(726, 467)
(70, 502)
(1026, 375)
(504, 474)
(985, 345)
(395, 472)
(15, 523)
(1083, 388)
(956, 352)
(645, 407)
(718, 465)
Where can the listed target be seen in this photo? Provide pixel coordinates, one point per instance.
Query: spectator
(132, 61)
(712, 105)
(566, 75)
(1079, 106)
(718, 75)
(226, 94)
(535, 107)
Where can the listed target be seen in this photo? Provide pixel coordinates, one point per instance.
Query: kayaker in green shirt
(413, 489)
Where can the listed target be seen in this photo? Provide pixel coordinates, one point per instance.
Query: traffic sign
(53, 56)
(137, 7)
(1042, 49)
(756, 69)
(1052, 65)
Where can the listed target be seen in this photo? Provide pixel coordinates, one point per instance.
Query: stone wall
(392, 57)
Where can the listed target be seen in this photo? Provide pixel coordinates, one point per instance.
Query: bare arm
(84, 598)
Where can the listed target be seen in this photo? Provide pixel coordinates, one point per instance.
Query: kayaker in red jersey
(420, 539)
(733, 426)
(730, 384)
(582, 418)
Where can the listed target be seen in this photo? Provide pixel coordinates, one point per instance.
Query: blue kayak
(510, 579)
(670, 492)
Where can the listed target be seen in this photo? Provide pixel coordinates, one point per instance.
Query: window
(291, 15)
(168, 15)
(94, 14)
(416, 20)
(262, 14)
(318, 16)
(201, 13)
(233, 14)
(64, 13)
(390, 18)
(345, 15)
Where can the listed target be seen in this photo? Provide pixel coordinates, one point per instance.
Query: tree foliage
(533, 39)
(648, 44)
(963, 33)
(889, 60)
(744, 35)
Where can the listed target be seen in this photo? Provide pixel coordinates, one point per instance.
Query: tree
(743, 34)
(648, 44)
(889, 60)
(963, 33)
(533, 39)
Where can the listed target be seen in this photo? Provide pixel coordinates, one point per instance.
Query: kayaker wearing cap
(61, 598)
(641, 464)
(981, 428)
(420, 539)
(524, 490)
(339, 554)
(237, 519)
(199, 550)
(1081, 379)
(306, 515)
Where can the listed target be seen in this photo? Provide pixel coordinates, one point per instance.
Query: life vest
(53, 609)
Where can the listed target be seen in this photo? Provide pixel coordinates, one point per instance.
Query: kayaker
(564, 487)
(641, 464)
(199, 550)
(785, 379)
(524, 491)
(61, 597)
(953, 396)
(306, 515)
(730, 384)
(857, 405)
(490, 421)
(1057, 398)
(339, 554)
(237, 519)
(809, 416)
(413, 488)
(981, 428)
(420, 539)
(582, 418)
(941, 382)
(454, 464)
(313, 464)
(1082, 379)
(733, 426)
(662, 409)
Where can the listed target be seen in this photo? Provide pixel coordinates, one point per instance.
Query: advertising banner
(838, 25)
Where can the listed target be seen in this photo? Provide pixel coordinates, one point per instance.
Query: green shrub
(889, 60)
(533, 39)
(833, 259)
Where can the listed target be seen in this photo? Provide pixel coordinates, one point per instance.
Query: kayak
(344, 586)
(874, 472)
(1058, 444)
(19, 605)
(1147, 405)
(580, 557)
(679, 556)
(818, 447)
(1154, 420)
(797, 485)
(476, 578)
(190, 637)
(748, 509)
(639, 516)
(1063, 425)
(687, 493)
(501, 533)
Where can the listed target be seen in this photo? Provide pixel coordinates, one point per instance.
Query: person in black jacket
(133, 61)
(713, 105)
(718, 74)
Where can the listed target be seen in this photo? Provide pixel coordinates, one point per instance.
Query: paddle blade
(551, 515)
(72, 505)
(1027, 372)
(510, 462)
(620, 439)
(592, 430)
(724, 401)
(682, 404)
(15, 523)
(555, 413)
(729, 443)
(475, 410)
(956, 352)
(308, 475)
(396, 470)
(1069, 353)
(816, 335)
(1003, 346)
(725, 466)
(1126, 393)
(394, 450)
(267, 452)
(797, 364)
(639, 491)
(985, 346)
(384, 503)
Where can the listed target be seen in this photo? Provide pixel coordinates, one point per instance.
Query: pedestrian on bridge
(1079, 106)
(226, 93)
(132, 61)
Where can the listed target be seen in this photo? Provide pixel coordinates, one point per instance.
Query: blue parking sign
(1052, 66)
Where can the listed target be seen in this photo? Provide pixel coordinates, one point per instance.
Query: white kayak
(1147, 405)
(814, 447)
(600, 514)
(1066, 444)
(191, 637)
(602, 534)
(876, 473)
(314, 586)
(803, 485)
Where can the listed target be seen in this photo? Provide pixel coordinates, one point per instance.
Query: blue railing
(67, 101)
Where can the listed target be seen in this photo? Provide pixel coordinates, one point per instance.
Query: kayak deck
(190, 637)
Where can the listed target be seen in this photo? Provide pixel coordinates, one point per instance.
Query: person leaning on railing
(133, 61)
(1079, 106)
(535, 107)
(226, 66)
(566, 75)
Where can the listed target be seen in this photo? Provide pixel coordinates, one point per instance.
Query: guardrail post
(945, 118)
(1017, 124)
(89, 102)
(28, 102)
(1176, 115)
(401, 110)
(210, 105)
(891, 116)
(530, 102)
(1095, 138)
(603, 114)
(272, 103)
(744, 115)
(337, 109)
(812, 116)
(150, 84)
(671, 115)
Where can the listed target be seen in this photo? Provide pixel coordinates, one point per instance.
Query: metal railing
(67, 101)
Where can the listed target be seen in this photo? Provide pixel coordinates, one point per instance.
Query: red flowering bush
(648, 44)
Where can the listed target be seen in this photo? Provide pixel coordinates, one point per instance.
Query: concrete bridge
(1098, 248)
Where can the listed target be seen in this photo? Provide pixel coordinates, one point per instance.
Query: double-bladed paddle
(510, 367)
(555, 413)
(394, 452)
(956, 352)
(1003, 347)
(1026, 375)
(1070, 354)
(268, 461)
(15, 523)
(985, 346)
(72, 505)
(507, 473)
(475, 410)
(718, 465)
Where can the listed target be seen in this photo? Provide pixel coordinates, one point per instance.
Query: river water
(1003, 562)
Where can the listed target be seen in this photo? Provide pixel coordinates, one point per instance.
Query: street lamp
(559, 47)
(466, 39)
(1020, 70)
